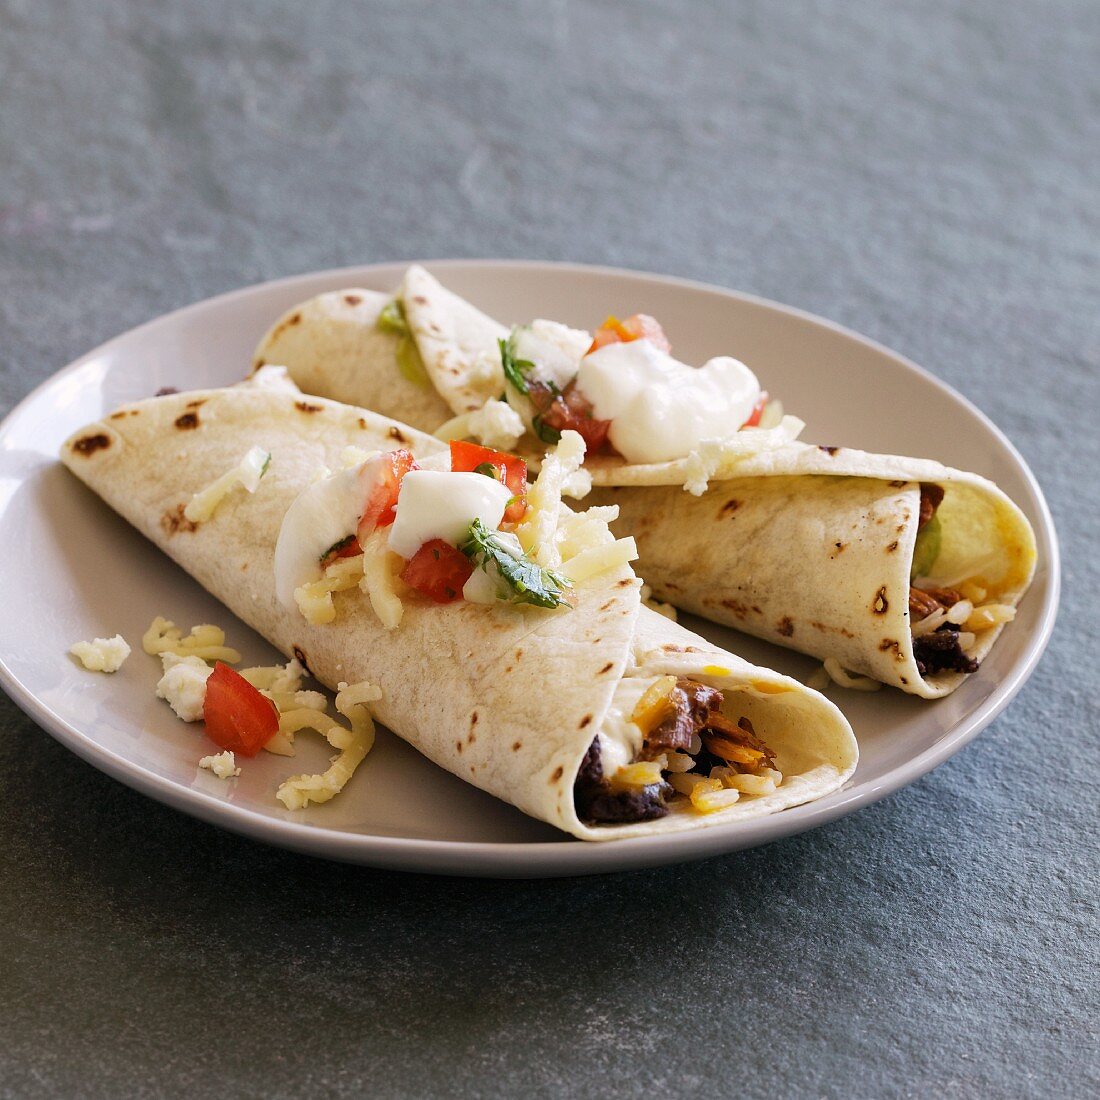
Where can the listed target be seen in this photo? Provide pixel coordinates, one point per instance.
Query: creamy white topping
(434, 505)
(661, 409)
(621, 739)
(322, 515)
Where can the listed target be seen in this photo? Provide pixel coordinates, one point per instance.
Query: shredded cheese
(352, 743)
(314, 599)
(246, 474)
(380, 580)
(845, 679)
(599, 559)
(205, 642)
(537, 529)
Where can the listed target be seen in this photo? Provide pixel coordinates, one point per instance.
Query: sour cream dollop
(434, 505)
(661, 409)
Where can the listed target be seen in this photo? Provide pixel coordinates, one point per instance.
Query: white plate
(74, 570)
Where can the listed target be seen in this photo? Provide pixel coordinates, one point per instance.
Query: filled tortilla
(602, 717)
(894, 568)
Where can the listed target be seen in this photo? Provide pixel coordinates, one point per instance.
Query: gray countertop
(925, 173)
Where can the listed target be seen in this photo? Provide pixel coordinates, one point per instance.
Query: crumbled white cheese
(102, 654)
(222, 764)
(183, 685)
(271, 377)
(717, 457)
(496, 424)
(246, 474)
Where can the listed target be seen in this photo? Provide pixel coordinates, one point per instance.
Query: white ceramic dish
(72, 570)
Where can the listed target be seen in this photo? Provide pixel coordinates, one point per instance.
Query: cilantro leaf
(529, 582)
(544, 431)
(515, 370)
(489, 470)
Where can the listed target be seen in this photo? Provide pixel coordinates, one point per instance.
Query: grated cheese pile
(246, 474)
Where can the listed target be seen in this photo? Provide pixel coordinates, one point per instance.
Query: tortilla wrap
(793, 544)
(507, 699)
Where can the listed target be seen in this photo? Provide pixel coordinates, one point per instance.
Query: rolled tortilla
(507, 699)
(809, 547)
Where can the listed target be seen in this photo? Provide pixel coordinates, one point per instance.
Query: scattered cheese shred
(205, 641)
(540, 523)
(599, 559)
(102, 654)
(838, 675)
(315, 598)
(246, 474)
(380, 581)
(352, 744)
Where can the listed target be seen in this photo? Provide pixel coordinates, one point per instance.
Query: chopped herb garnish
(267, 462)
(489, 470)
(515, 370)
(392, 318)
(544, 431)
(529, 582)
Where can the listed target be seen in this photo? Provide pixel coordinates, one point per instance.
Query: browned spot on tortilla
(736, 606)
(258, 364)
(187, 421)
(306, 407)
(785, 626)
(352, 299)
(728, 508)
(596, 641)
(519, 654)
(473, 719)
(244, 567)
(196, 404)
(840, 548)
(458, 745)
(606, 668)
(300, 654)
(135, 412)
(757, 610)
(508, 668)
(626, 582)
(891, 547)
(420, 300)
(396, 433)
(881, 602)
(898, 484)
(826, 629)
(119, 415)
(889, 643)
(559, 771)
(167, 391)
(905, 679)
(173, 521)
(472, 738)
(607, 606)
(516, 746)
(828, 450)
(89, 444)
(672, 587)
(584, 721)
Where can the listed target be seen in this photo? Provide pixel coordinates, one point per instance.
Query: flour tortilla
(508, 700)
(770, 567)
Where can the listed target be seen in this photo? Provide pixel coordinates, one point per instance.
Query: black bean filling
(939, 651)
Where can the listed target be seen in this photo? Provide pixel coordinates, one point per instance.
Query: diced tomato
(757, 412)
(237, 716)
(439, 571)
(570, 410)
(346, 548)
(512, 471)
(382, 502)
(640, 326)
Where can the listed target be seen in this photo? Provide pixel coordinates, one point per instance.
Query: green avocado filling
(392, 320)
(927, 548)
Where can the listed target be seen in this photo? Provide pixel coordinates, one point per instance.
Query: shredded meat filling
(939, 651)
(926, 601)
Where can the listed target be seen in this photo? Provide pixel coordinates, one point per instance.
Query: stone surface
(923, 172)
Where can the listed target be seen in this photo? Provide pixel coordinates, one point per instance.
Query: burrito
(900, 570)
(504, 629)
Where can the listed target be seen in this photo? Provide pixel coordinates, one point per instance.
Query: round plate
(74, 570)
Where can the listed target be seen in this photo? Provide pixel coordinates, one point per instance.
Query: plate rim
(564, 856)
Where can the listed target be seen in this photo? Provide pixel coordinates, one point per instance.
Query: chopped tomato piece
(638, 327)
(510, 470)
(439, 571)
(346, 548)
(570, 410)
(237, 716)
(382, 502)
(757, 412)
